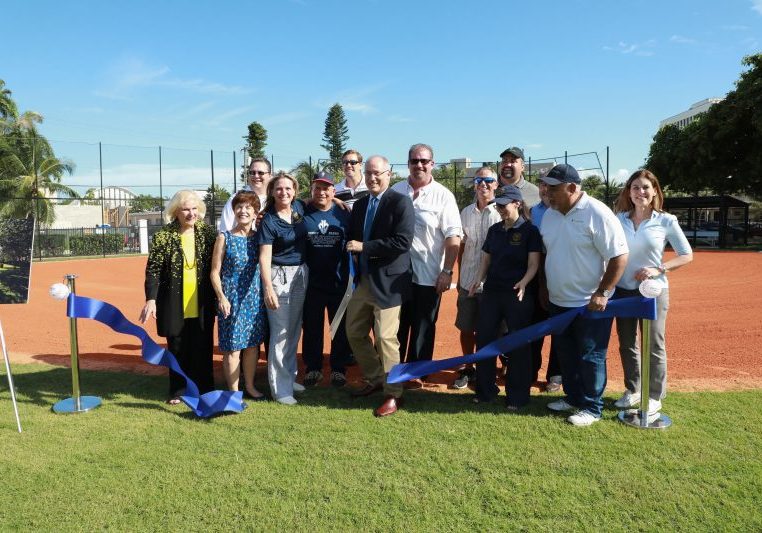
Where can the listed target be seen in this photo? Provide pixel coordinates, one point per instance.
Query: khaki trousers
(363, 314)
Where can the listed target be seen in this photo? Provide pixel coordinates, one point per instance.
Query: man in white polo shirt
(586, 256)
(436, 242)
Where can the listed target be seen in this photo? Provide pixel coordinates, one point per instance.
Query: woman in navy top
(510, 259)
(282, 245)
(648, 229)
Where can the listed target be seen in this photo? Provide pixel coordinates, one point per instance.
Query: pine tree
(335, 136)
(256, 140)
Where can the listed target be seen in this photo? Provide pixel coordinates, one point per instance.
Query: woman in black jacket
(178, 290)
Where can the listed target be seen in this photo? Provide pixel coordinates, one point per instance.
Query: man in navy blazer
(380, 233)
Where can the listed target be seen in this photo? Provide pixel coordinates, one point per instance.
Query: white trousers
(290, 286)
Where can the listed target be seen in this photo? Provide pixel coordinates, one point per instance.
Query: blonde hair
(170, 212)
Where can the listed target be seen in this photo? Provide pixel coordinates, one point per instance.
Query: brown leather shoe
(366, 390)
(389, 407)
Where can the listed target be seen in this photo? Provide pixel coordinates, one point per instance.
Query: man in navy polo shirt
(326, 226)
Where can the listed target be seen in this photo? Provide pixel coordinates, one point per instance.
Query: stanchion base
(86, 403)
(631, 417)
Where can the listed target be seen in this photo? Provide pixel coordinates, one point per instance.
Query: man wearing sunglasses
(512, 173)
(257, 177)
(436, 242)
(476, 219)
(352, 187)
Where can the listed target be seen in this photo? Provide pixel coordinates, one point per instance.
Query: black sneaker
(338, 379)
(312, 378)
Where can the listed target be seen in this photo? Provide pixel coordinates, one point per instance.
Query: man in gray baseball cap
(512, 173)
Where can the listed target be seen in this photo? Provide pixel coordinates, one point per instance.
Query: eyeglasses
(424, 162)
(258, 172)
(376, 174)
(488, 181)
(352, 162)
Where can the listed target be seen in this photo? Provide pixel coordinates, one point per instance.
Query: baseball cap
(508, 194)
(562, 173)
(323, 177)
(514, 151)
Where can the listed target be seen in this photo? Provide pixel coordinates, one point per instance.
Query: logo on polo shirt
(323, 226)
(516, 238)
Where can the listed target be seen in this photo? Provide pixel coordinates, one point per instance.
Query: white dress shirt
(437, 218)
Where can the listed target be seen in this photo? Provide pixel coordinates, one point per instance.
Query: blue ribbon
(202, 405)
(634, 307)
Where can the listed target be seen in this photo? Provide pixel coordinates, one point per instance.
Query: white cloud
(682, 40)
(130, 74)
(354, 99)
(142, 178)
(534, 146)
(220, 118)
(639, 49)
(756, 5)
(735, 27)
(620, 176)
(399, 118)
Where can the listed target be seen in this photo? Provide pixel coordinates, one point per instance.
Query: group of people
(524, 253)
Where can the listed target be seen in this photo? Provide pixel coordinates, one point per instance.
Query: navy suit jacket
(390, 271)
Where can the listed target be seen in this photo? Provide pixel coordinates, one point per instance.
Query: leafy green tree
(335, 136)
(719, 152)
(256, 140)
(220, 195)
(144, 203)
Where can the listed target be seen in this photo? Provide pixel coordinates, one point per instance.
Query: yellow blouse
(190, 282)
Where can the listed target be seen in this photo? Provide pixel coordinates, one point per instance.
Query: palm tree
(30, 172)
(8, 110)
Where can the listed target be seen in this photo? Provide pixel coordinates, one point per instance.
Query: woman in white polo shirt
(648, 229)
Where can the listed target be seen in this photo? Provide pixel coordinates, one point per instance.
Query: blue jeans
(581, 349)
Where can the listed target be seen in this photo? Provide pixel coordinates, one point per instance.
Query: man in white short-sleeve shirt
(586, 255)
(476, 219)
(436, 242)
(257, 177)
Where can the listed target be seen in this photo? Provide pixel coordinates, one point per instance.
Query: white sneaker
(583, 418)
(628, 399)
(654, 406)
(298, 387)
(561, 406)
(287, 400)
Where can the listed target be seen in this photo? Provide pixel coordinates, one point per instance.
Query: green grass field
(327, 464)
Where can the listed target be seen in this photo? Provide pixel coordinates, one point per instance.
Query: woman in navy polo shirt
(282, 245)
(510, 259)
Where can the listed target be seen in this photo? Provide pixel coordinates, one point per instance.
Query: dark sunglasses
(479, 181)
(258, 172)
(350, 162)
(424, 162)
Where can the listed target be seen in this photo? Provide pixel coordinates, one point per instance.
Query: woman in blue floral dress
(235, 278)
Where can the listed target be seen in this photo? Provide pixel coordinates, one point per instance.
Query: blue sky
(469, 78)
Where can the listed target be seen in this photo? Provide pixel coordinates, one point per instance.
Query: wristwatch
(606, 293)
(447, 271)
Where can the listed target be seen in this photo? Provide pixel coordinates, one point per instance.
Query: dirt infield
(714, 339)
